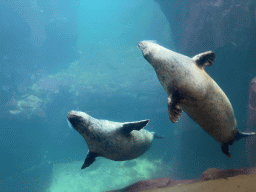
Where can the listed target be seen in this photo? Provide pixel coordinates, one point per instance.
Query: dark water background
(60, 55)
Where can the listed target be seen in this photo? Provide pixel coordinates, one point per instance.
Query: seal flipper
(174, 109)
(136, 125)
(239, 135)
(157, 136)
(225, 149)
(90, 158)
(205, 58)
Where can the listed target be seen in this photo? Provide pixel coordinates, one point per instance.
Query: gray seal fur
(112, 140)
(192, 90)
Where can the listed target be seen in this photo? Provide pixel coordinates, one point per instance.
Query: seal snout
(141, 46)
(73, 118)
(147, 47)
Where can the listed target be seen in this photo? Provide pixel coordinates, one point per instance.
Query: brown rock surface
(213, 173)
(212, 179)
(241, 183)
(152, 184)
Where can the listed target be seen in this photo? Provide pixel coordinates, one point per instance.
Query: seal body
(191, 89)
(112, 140)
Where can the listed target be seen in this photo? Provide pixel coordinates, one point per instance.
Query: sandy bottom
(241, 183)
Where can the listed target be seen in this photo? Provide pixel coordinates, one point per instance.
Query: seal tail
(239, 135)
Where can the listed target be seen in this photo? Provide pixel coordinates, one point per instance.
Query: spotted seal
(192, 90)
(112, 140)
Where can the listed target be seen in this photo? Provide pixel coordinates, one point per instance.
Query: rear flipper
(239, 135)
(90, 158)
(157, 136)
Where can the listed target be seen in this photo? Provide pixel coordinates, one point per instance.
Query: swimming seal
(112, 140)
(192, 90)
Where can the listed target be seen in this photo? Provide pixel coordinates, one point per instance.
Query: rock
(251, 124)
(213, 173)
(207, 177)
(251, 120)
(231, 184)
(199, 25)
(152, 184)
(29, 105)
(46, 85)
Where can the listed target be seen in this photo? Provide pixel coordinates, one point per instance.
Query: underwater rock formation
(251, 121)
(212, 180)
(27, 106)
(251, 124)
(201, 25)
(45, 85)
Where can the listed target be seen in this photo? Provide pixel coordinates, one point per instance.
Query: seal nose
(141, 45)
(73, 118)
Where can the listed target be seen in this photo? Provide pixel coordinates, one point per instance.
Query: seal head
(112, 140)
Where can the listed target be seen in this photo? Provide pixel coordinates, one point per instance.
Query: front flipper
(205, 58)
(136, 125)
(90, 158)
(174, 108)
(225, 149)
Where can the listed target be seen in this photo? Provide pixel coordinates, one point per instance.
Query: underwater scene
(118, 95)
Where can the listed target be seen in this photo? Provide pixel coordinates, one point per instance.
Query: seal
(112, 140)
(192, 90)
